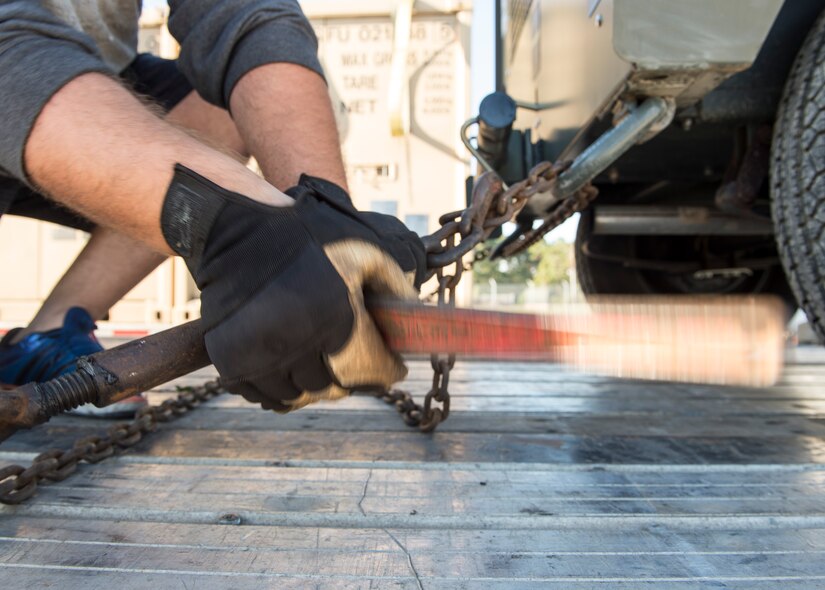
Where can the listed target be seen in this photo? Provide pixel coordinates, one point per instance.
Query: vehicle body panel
(580, 56)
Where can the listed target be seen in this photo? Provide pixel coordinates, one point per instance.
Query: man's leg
(108, 267)
(112, 264)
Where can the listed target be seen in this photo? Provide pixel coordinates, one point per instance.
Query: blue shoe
(45, 355)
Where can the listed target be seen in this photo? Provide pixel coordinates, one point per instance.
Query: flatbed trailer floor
(541, 478)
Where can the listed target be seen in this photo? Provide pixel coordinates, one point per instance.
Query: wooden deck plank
(256, 507)
(378, 555)
(488, 480)
(453, 447)
(608, 403)
(554, 387)
(473, 487)
(499, 542)
(395, 565)
(382, 420)
(94, 578)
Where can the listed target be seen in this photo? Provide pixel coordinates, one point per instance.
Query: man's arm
(222, 40)
(78, 135)
(38, 55)
(258, 58)
(291, 103)
(97, 149)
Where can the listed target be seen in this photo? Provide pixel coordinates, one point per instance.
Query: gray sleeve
(221, 40)
(38, 56)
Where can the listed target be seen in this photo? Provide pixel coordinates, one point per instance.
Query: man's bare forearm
(98, 150)
(284, 114)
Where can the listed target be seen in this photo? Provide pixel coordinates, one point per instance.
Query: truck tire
(798, 177)
(599, 276)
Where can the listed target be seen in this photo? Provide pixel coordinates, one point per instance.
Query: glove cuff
(191, 207)
(323, 190)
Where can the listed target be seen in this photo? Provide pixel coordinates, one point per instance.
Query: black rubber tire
(598, 277)
(798, 177)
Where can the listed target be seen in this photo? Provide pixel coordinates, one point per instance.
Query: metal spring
(67, 392)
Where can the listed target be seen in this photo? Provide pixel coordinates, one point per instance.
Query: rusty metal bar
(107, 377)
(652, 115)
(664, 220)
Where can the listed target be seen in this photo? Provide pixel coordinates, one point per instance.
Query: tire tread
(798, 177)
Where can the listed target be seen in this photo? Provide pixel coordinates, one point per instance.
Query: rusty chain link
(18, 483)
(558, 215)
(461, 231)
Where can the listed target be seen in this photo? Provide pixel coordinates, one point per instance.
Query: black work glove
(282, 287)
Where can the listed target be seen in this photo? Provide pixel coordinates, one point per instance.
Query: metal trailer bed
(540, 479)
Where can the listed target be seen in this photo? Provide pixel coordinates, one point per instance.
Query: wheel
(798, 177)
(609, 264)
(596, 275)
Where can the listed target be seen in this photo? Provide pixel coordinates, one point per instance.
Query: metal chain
(577, 202)
(460, 233)
(19, 483)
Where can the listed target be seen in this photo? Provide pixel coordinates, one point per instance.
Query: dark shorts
(149, 75)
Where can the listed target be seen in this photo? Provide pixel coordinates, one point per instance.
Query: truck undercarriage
(690, 203)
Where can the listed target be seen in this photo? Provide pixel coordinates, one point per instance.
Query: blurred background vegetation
(543, 274)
